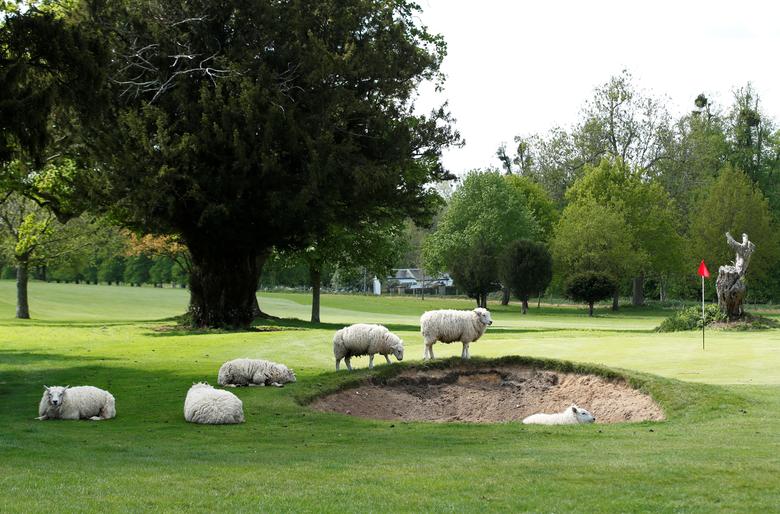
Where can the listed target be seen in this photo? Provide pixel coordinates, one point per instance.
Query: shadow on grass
(22, 358)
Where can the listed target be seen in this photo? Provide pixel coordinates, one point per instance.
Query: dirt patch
(490, 395)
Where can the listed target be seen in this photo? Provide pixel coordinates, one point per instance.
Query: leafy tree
(245, 126)
(136, 270)
(734, 204)
(112, 270)
(526, 269)
(161, 271)
(649, 213)
(476, 271)
(373, 246)
(590, 287)
(593, 237)
(538, 202)
(484, 215)
(32, 236)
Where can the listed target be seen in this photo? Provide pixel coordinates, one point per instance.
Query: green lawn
(719, 450)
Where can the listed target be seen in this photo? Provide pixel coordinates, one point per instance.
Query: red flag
(703, 271)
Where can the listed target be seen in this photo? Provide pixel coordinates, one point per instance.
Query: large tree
(525, 269)
(484, 215)
(649, 212)
(247, 125)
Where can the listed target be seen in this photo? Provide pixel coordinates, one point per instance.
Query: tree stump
(730, 285)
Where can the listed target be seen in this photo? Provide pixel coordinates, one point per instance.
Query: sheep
(210, 406)
(254, 372)
(449, 326)
(570, 416)
(366, 339)
(82, 402)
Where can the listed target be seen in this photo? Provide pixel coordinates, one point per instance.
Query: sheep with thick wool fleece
(449, 326)
(254, 372)
(81, 402)
(210, 406)
(366, 339)
(571, 416)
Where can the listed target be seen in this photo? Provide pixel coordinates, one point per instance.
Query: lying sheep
(82, 402)
(210, 406)
(366, 339)
(254, 372)
(570, 416)
(449, 326)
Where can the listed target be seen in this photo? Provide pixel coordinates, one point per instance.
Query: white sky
(522, 67)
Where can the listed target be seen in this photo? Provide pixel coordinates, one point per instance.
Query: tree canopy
(244, 126)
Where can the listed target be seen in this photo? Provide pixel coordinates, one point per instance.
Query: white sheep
(210, 406)
(449, 326)
(366, 339)
(82, 402)
(570, 416)
(254, 372)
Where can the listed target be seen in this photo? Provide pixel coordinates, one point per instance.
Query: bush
(690, 318)
(590, 287)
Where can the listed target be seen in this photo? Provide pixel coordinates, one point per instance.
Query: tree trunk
(615, 298)
(638, 297)
(222, 286)
(22, 306)
(505, 296)
(315, 277)
(539, 301)
(525, 305)
(731, 292)
(590, 309)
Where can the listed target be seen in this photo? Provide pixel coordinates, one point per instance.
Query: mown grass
(718, 451)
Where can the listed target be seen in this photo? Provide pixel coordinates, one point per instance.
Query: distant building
(413, 280)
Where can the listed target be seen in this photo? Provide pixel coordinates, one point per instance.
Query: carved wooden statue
(730, 286)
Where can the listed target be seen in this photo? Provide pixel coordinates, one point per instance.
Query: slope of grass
(717, 452)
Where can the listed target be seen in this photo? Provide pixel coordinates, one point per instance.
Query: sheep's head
(484, 316)
(55, 395)
(582, 415)
(199, 385)
(289, 375)
(398, 350)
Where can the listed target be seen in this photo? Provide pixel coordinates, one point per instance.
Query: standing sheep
(210, 406)
(366, 339)
(449, 326)
(570, 416)
(82, 402)
(254, 372)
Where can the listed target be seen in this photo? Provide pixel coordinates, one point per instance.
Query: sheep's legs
(428, 352)
(387, 358)
(465, 353)
(371, 361)
(96, 418)
(346, 361)
(42, 418)
(337, 364)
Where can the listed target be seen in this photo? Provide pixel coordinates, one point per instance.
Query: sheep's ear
(46, 387)
(574, 409)
(64, 388)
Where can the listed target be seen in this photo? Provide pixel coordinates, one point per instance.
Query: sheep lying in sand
(210, 406)
(365, 339)
(82, 402)
(254, 372)
(449, 326)
(570, 416)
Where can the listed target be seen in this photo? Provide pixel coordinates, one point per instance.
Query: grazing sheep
(254, 372)
(570, 416)
(210, 406)
(82, 402)
(449, 326)
(366, 339)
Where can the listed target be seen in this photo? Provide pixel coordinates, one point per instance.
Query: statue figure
(731, 288)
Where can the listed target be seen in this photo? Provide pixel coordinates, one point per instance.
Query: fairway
(718, 451)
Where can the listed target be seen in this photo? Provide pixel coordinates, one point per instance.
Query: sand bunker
(489, 395)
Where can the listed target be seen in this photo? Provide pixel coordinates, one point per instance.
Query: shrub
(690, 318)
(590, 287)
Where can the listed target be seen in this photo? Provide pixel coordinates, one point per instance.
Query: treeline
(628, 193)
